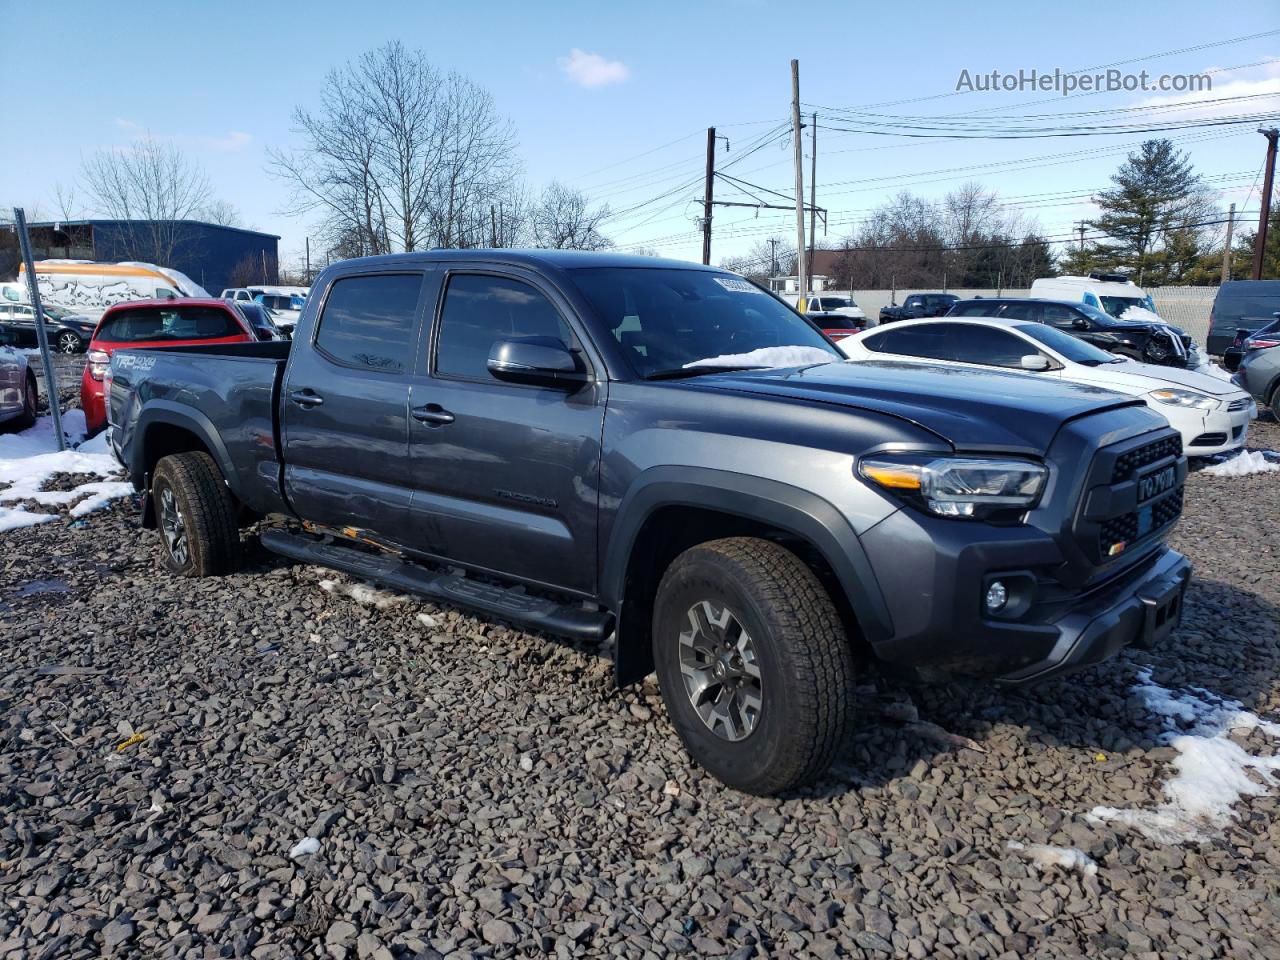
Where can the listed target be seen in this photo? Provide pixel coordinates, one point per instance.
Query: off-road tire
(207, 515)
(805, 662)
(30, 404)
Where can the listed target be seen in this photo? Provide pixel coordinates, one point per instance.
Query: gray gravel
(477, 791)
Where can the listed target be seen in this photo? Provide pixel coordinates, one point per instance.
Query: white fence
(1185, 307)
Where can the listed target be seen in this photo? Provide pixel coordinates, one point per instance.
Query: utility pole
(773, 257)
(802, 268)
(1260, 241)
(1226, 251)
(42, 338)
(813, 188)
(1080, 230)
(308, 261)
(708, 192)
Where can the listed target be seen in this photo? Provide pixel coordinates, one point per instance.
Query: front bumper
(1218, 431)
(940, 628)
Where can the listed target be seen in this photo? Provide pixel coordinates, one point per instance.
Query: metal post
(50, 380)
(813, 189)
(1226, 251)
(802, 268)
(708, 191)
(1260, 241)
(308, 261)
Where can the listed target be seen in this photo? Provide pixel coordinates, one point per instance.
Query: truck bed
(231, 390)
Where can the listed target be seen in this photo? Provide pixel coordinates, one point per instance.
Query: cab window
(479, 310)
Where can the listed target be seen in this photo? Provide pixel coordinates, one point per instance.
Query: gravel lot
(477, 791)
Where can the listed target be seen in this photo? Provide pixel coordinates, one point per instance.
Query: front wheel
(196, 516)
(754, 665)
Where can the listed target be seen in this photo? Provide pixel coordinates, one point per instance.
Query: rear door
(504, 473)
(344, 404)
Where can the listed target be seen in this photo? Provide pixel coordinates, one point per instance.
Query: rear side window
(371, 321)
(985, 345)
(480, 310)
(976, 309)
(148, 324)
(929, 341)
(1021, 311)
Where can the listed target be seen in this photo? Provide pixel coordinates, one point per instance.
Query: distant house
(210, 254)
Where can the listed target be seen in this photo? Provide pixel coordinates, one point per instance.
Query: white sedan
(1211, 414)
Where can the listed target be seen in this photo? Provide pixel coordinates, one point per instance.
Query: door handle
(432, 413)
(306, 398)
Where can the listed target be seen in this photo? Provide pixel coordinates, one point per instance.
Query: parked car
(1210, 413)
(285, 309)
(1241, 343)
(1112, 293)
(1148, 342)
(239, 294)
(919, 305)
(1259, 371)
(602, 445)
(260, 319)
(837, 326)
(154, 323)
(1241, 305)
(19, 395)
(67, 332)
(821, 303)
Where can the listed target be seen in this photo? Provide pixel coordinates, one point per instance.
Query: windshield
(670, 319)
(836, 303)
(1069, 347)
(1116, 306)
(58, 313)
(1093, 312)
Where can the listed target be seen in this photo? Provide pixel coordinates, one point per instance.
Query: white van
(88, 287)
(1113, 292)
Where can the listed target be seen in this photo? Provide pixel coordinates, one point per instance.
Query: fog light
(997, 597)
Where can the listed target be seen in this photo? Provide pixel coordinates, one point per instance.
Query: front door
(345, 404)
(505, 474)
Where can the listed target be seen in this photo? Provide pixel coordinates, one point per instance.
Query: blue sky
(221, 79)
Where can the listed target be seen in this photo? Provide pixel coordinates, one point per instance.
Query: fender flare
(155, 412)
(791, 509)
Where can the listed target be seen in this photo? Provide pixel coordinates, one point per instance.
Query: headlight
(1184, 398)
(956, 487)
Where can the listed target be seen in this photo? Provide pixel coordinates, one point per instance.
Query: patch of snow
(30, 458)
(1243, 464)
(364, 593)
(427, 621)
(1044, 856)
(1141, 315)
(769, 357)
(304, 847)
(1212, 772)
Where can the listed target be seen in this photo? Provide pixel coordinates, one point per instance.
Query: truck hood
(971, 410)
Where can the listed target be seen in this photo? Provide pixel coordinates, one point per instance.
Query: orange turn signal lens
(892, 476)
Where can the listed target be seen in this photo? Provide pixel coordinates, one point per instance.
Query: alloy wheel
(174, 528)
(68, 342)
(721, 672)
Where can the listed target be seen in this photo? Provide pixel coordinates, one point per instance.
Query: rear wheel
(754, 665)
(30, 403)
(1274, 402)
(68, 342)
(196, 516)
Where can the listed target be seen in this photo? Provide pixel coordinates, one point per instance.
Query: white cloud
(591, 69)
(1264, 85)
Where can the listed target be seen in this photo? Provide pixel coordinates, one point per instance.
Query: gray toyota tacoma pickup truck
(596, 445)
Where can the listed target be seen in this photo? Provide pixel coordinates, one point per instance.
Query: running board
(537, 613)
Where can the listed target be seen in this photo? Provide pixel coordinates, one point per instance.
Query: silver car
(18, 394)
(1259, 371)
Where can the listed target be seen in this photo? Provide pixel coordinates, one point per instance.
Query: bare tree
(223, 213)
(398, 156)
(563, 219)
(151, 186)
(64, 196)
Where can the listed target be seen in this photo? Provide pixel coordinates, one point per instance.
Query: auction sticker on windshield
(738, 286)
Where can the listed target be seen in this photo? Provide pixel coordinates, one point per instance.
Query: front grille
(1240, 404)
(1127, 463)
(1116, 533)
(1208, 440)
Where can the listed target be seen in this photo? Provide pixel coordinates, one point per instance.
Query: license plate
(1154, 484)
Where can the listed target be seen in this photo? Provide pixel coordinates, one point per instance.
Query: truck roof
(561, 259)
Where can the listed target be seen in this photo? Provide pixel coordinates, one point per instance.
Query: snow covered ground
(28, 460)
(1213, 772)
(1246, 463)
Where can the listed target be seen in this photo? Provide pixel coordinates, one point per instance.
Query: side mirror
(1034, 361)
(1079, 323)
(541, 360)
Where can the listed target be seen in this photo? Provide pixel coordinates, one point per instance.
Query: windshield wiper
(680, 373)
